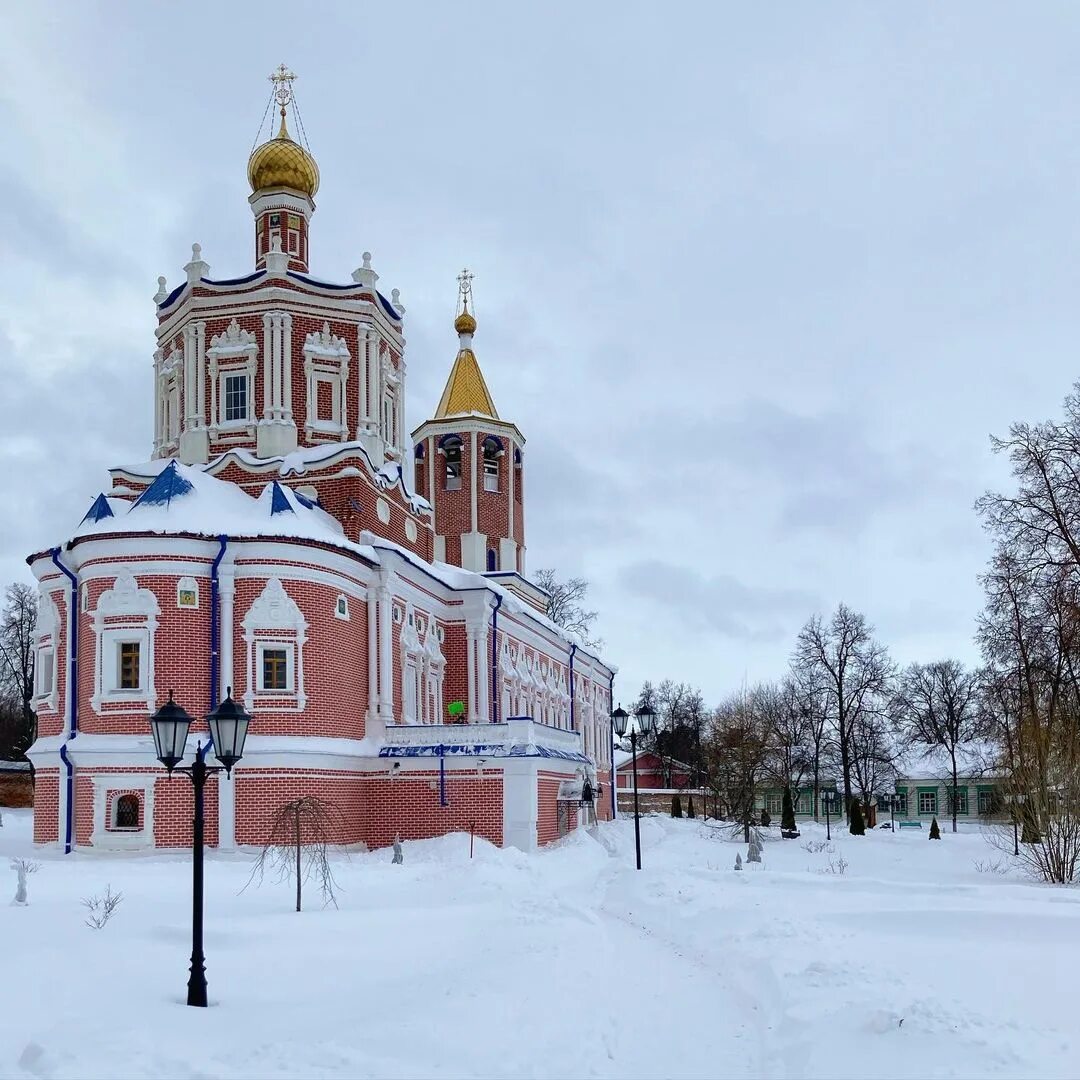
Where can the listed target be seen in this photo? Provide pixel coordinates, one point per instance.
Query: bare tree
(873, 754)
(1030, 637)
(852, 669)
(565, 605)
(939, 705)
(737, 747)
(813, 702)
(681, 719)
(298, 847)
(17, 622)
(787, 725)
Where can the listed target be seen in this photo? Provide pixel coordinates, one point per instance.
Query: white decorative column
(472, 491)
(268, 366)
(226, 788)
(470, 666)
(373, 725)
(286, 362)
(483, 673)
(200, 374)
(386, 652)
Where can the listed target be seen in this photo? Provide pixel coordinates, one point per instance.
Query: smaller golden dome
(281, 162)
(465, 323)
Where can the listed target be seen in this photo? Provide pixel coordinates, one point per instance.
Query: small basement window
(126, 812)
(341, 609)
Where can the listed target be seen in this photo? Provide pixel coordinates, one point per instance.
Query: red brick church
(361, 590)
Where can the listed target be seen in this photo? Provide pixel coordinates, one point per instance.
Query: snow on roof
(184, 499)
(973, 759)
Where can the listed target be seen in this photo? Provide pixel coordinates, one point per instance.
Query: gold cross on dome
(282, 78)
(465, 288)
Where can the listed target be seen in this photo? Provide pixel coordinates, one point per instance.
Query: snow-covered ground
(568, 963)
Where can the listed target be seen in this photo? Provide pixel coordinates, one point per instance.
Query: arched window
(451, 448)
(126, 812)
(492, 452)
(491, 559)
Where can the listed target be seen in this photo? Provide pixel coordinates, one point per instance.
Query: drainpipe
(611, 756)
(573, 650)
(495, 658)
(72, 698)
(215, 628)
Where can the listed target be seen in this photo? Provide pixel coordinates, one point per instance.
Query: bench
(910, 824)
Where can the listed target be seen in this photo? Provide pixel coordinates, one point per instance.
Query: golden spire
(466, 391)
(282, 162)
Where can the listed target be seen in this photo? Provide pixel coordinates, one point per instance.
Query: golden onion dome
(281, 162)
(465, 323)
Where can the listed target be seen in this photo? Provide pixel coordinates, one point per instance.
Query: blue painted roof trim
(236, 280)
(173, 295)
(167, 485)
(351, 287)
(388, 307)
(279, 501)
(99, 510)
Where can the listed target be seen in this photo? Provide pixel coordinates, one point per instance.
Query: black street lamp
(831, 801)
(645, 718)
(228, 725)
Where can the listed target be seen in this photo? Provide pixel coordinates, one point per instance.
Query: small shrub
(690, 808)
(766, 821)
(815, 847)
(676, 806)
(102, 907)
(858, 822)
(836, 866)
(935, 832)
(787, 814)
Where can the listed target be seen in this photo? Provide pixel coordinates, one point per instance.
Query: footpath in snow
(567, 963)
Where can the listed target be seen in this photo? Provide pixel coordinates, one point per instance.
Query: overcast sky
(756, 283)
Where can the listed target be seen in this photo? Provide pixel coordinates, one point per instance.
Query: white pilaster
(200, 374)
(374, 725)
(287, 366)
(472, 489)
(268, 366)
(386, 654)
(470, 664)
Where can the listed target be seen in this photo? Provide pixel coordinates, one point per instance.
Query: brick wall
(46, 806)
(409, 806)
(547, 819)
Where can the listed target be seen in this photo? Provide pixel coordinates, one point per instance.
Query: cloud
(719, 602)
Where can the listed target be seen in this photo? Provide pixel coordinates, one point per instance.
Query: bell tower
(469, 464)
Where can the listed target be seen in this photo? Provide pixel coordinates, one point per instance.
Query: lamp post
(228, 725)
(645, 718)
(829, 800)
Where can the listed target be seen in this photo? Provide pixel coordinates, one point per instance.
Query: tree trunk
(955, 790)
(298, 858)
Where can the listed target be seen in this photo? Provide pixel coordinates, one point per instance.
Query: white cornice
(468, 423)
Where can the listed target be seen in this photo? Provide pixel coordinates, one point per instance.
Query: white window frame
(326, 360)
(45, 671)
(274, 620)
(233, 352)
(245, 377)
(931, 796)
(133, 612)
(106, 839)
(341, 607)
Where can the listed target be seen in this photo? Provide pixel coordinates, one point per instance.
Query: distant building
(16, 784)
(653, 772)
